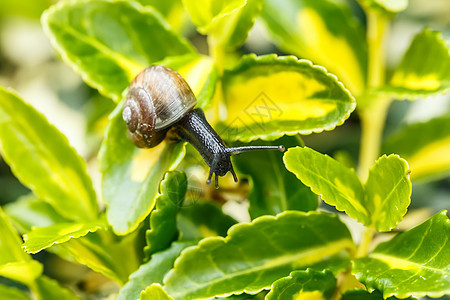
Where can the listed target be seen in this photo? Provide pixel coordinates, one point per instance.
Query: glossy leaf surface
(273, 188)
(324, 32)
(40, 238)
(309, 284)
(155, 292)
(426, 147)
(109, 42)
(131, 175)
(360, 294)
(337, 185)
(163, 220)
(41, 157)
(388, 191)
(414, 263)
(424, 70)
(270, 96)
(152, 271)
(269, 248)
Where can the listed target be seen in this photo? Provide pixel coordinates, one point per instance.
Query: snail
(160, 103)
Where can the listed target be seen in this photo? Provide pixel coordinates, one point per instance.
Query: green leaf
(155, 292)
(270, 96)
(386, 6)
(337, 185)
(109, 42)
(131, 175)
(388, 191)
(426, 147)
(359, 294)
(207, 14)
(273, 189)
(152, 271)
(424, 70)
(414, 263)
(200, 73)
(7, 292)
(269, 248)
(309, 284)
(40, 238)
(50, 289)
(41, 157)
(324, 32)
(29, 211)
(163, 220)
(203, 219)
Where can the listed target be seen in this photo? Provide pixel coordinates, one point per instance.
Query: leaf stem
(363, 247)
(373, 113)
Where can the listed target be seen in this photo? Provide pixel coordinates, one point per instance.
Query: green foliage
(157, 231)
(304, 284)
(414, 263)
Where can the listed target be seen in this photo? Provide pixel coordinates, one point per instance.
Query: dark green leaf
(273, 188)
(324, 32)
(203, 219)
(163, 220)
(414, 263)
(153, 271)
(109, 42)
(7, 292)
(270, 96)
(359, 294)
(50, 289)
(41, 157)
(131, 175)
(309, 284)
(267, 249)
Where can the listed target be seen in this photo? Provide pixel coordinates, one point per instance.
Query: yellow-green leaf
(388, 192)
(270, 96)
(109, 42)
(426, 147)
(40, 238)
(41, 157)
(387, 6)
(131, 175)
(424, 70)
(324, 32)
(155, 292)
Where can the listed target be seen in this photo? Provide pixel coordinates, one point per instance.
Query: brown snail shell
(157, 98)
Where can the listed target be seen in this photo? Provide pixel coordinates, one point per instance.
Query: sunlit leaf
(270, 96)
(424, 70)
(174, 13)
(155, 292)
(41, 157)
(388, 192)
(324, 32)
(163, 220)
(206, 14)
(40, 238)
(337, 185)
(426, 147)
(386, 6)
(109, 42)
(203, 219)
(200, 73)
(131, 175)
(8, 292)
(267, 249)
(273, 188)
(309, 284)
(414, 263)
(152, 271)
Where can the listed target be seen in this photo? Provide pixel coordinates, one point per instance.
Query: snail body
(160, 103)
